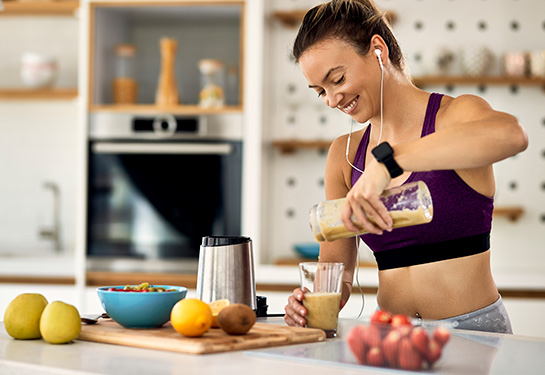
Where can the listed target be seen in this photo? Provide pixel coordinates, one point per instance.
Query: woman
(441, 270)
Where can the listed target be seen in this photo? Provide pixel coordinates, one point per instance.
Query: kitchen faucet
(54, 233)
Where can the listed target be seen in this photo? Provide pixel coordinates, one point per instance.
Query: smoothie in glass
(322, 310)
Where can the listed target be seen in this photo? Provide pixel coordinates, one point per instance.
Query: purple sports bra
(462, 217)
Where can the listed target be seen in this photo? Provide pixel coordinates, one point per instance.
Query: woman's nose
(332, 100)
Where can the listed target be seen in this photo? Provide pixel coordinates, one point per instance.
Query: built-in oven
(158, 184)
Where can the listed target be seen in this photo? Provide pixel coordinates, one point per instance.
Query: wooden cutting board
(261, 335)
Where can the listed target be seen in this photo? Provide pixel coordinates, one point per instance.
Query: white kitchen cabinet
(37, 129)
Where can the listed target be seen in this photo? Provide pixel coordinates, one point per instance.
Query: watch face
(382, 151)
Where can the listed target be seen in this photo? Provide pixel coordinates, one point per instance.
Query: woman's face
(343, 78)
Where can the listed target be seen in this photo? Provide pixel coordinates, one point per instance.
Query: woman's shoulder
(462, 108)
(338, 147)
(338, 171)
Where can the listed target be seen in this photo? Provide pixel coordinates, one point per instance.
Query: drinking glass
(321, 285)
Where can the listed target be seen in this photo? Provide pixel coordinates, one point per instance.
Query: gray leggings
(492, 318)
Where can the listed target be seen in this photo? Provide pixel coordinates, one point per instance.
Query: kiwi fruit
(236, 319)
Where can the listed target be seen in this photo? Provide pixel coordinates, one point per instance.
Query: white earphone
(378, 53)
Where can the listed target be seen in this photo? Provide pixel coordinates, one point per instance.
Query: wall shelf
(292, 18)
(289, 146)
(512, 213)
(181, 109)
(39, 8)
(469, 80)
(39, 94)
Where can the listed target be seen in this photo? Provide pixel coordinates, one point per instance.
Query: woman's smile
(350, 107)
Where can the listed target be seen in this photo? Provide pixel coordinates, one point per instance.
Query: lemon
(216, 307)
(191, 317)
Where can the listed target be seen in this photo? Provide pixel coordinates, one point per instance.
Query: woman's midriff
(438, 290)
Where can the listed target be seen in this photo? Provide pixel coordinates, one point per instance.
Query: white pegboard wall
(423, 28)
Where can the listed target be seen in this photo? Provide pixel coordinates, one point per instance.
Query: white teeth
(349, 106)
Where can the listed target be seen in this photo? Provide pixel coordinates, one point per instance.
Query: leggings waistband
(491, 318)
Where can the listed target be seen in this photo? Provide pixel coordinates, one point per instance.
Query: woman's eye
(321, 93)
(340, 80)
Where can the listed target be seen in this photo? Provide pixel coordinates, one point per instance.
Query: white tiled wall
(423, 27)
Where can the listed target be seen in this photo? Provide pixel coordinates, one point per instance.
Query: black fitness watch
(384, 153)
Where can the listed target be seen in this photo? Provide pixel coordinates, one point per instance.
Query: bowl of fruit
(140, 306)
(396, 341)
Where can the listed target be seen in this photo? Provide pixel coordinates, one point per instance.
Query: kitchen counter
(468, 353)
(60, 269)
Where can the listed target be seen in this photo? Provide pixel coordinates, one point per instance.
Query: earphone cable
(381, 118)
(381, 99)
(358, 280)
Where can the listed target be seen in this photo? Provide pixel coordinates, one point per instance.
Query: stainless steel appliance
(159, 184)
(226, 270)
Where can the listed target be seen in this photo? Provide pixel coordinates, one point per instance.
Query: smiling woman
(440, 270)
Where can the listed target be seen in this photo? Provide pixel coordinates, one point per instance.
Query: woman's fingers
(295, 311)
(370, 215)
(378, 213)
(365, 215)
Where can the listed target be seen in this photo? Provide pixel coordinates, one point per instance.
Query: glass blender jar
(408, 204)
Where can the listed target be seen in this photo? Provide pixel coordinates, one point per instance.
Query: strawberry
(434, 352)
(409, 357)
(400, 320)
(381, 316)
(390, 347)
(375, 357)
(372, 335)
(441, 335)
(420, 340)
(357, 344)
(404, 330)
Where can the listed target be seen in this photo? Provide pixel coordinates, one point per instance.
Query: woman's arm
(470, 136)
(338, 174)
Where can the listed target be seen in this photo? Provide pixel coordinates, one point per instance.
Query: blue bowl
(140, 310)
(309, 250)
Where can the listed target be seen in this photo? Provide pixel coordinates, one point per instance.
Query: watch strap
(384, 153)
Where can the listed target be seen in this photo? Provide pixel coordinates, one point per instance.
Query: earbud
(378, 53)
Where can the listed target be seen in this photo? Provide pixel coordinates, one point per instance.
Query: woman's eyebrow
(327, 75)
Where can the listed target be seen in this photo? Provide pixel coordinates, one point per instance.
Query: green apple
(22, 316)
(60, 323)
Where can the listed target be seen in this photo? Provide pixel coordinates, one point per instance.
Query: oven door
(157, 199)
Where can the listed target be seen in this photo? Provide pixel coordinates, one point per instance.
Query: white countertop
(467, 353)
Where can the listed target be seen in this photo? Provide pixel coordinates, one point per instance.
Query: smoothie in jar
(408, 205)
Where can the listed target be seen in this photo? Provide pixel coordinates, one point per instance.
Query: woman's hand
(295, 311)
(363, 201)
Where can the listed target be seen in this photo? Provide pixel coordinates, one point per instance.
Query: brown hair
(353, 21)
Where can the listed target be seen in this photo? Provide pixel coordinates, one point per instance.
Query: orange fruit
(216, 307)
(191, 317)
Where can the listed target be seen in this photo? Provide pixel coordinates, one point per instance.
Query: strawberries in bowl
(393, 341)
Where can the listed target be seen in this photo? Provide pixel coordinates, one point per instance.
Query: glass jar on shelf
(212, 83)
(125, 87)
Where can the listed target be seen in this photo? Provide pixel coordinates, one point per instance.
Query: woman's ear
(377, 43)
